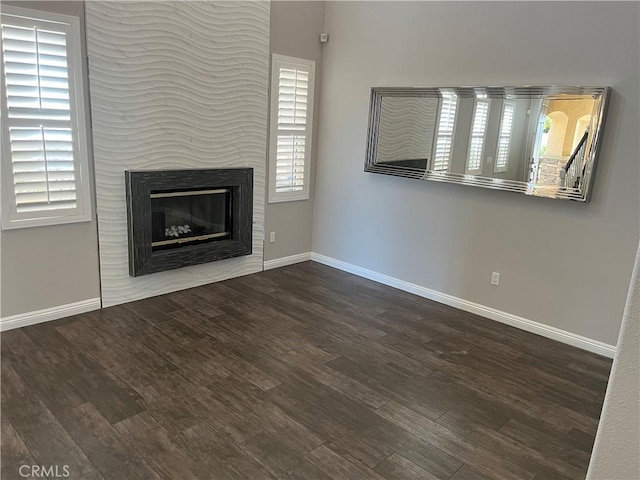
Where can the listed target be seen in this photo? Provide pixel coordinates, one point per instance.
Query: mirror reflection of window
(504, 138)
(446, 128)
(478, 134)
(545, 126)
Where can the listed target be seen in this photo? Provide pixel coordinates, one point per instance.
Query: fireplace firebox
(189, 216)
(178, 218)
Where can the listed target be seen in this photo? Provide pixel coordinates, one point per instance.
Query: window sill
(8, 224)
(280, 198)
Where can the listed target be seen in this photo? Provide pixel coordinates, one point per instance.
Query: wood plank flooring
(303, 372)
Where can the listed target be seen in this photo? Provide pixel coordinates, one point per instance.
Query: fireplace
(189, 216)
(178, 218)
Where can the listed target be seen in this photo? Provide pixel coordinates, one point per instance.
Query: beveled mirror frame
(580, 194)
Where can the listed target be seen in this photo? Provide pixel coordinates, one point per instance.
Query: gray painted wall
(615, 453)
(295, 31)
(563, 264)
(44, 267)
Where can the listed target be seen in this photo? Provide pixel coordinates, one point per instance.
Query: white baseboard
(595, 346)
(554, 333)
(47, 314)
(284, 261)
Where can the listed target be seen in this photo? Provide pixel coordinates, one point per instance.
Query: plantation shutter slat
(291, 127)
(290, 163)
(293, 91)
(478, 133)
(504, 138)
(42, 163)
(41, 133)
(445, 132)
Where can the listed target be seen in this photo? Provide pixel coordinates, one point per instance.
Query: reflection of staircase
(573, 171)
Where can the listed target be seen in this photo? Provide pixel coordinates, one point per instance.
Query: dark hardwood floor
(303, 372)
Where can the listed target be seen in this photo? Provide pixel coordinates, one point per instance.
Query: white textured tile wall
(174, 85)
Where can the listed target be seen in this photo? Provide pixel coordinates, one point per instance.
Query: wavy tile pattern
(407, 127)
(174, 85)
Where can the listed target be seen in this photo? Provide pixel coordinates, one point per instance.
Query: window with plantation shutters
(445, 132)
(291, 124)
(44, 153)
(477, 138)
(504, 137)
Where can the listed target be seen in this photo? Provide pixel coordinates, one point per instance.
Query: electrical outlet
(272, 237)
(495, 278)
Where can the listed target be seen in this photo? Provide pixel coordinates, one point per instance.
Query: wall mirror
(540, 141)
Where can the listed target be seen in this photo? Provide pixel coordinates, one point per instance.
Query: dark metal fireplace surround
(178, 218)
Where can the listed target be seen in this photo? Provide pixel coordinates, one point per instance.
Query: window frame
(10, 218)
(278, 62)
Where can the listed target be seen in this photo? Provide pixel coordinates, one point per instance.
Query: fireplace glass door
(190, 217)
